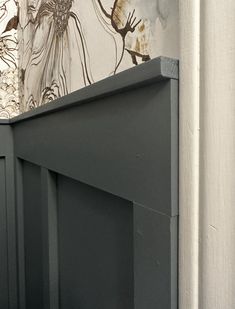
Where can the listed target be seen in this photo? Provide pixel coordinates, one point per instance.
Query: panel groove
(4, 283)
(11, 231)
(49, 204)
(20, 233)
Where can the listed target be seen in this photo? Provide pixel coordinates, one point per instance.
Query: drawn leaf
(12, 24)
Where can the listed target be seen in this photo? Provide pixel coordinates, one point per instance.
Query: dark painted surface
(49, 198)
(97, 196)
(155, 260)
(95, 248)
(33, 236)
(8, 275)
(3, 238)
(120, 144)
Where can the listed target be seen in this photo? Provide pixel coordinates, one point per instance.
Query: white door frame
(207, 154)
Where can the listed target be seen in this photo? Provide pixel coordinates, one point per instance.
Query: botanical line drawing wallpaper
(9, 86)
(64, 45)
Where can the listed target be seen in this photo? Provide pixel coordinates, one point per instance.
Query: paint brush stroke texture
(66, 45)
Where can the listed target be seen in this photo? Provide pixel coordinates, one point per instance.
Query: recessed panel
(33, 236)
(95, 248)
(3, 238)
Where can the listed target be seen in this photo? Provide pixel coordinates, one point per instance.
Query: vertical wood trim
(189, 153)
(155, 259)
(51, 271)
(175, 146)
(207, 74)
(20, 233)
(11, 231)
(217, 155)
(4, 302)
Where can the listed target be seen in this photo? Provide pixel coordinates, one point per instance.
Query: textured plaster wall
(66, 45)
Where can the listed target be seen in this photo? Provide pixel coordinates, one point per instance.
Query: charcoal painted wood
(8, 272)
(97, 195)
(4, 289)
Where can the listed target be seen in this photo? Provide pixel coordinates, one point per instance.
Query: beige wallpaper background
(9, 80)
(49, 48)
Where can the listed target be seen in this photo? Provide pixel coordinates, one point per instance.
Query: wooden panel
(5, 139)
(8, 224)
(50, 239)
(33, 238)
(121, 144)
(11, 228)
(81, 166)
(3, 238)
(155, 259)
(20, 234)
(95, 248)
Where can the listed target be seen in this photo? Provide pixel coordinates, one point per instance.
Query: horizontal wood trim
(159, 69)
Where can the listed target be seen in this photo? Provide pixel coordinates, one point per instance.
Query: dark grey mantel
(92, 180)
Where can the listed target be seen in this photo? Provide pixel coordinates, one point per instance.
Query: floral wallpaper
(50, 48)
(9, 85)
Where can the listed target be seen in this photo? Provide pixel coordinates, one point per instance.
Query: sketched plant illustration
(8, 41)
(9, 93)
(120, 26)
(68, 44)
(61, 49)
(54, 23)
(9, 88)
(8, 44)
(3, 9)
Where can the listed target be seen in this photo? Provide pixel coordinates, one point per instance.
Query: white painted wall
(207, 178)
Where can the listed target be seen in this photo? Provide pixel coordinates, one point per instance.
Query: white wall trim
(189, 152)
(207, 154)
(217, 155)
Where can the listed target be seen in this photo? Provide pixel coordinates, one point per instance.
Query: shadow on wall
(66, 45)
